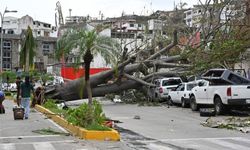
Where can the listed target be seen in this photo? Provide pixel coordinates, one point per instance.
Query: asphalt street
(161, 127)
(141, 128)
(23, 135)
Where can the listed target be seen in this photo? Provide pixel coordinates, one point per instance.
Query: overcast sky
(44, 10)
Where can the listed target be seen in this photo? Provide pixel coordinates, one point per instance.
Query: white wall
(19, 24)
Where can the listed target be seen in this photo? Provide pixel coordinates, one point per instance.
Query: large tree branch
(139, 80)
(170, 46)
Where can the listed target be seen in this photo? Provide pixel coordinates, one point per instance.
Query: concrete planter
(82, 133)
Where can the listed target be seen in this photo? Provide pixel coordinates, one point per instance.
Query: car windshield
(171, 82)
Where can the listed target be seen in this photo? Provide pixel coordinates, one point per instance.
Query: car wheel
(218, 106)
(193, 104)
(170, 101)
(156, 95)
(183, 103)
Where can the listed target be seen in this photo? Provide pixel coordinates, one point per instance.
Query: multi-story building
(13, 34)
(228, 11)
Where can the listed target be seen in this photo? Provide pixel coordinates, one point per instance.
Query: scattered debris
(207, 112)
(137, 117)
(117, 99)
(233, 123)
(245, 130)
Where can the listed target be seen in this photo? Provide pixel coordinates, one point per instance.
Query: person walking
(2, 97)
(25, 92)
(18, 85)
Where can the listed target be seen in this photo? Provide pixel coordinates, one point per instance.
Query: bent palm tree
(27, 52)
(89, 43)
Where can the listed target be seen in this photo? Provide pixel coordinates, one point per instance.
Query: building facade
(13, 35)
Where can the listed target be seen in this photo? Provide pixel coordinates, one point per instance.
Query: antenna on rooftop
(70, 12)
(174, 5)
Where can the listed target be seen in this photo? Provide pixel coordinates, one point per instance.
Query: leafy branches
(27, 52)
(223, 38)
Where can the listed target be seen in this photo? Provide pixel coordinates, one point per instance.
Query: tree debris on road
(233, 123)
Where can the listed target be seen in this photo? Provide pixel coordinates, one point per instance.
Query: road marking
(194, 139)
(32, 136)
(201, 143)
(43, 146)
(243, 139)
(229, 145)
(55, 124)
(9, 146)
(26, 143)
(156, 146)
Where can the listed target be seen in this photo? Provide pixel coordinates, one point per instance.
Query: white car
(181, 95)
(12, 87)
(164, 85)
(9, 87)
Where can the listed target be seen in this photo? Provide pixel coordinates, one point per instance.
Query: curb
(82, 133)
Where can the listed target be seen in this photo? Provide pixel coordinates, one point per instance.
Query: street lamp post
(1, 50)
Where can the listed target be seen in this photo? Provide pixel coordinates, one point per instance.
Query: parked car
(181, 95)
(164, 85)
(224, 90)
(9, 87)
(57, 80)
(12, 87)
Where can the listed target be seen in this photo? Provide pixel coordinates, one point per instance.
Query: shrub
(7, 93)
(89, 117)
(50, 104)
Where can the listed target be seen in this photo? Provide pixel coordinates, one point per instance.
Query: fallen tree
(228, 40)
(100, 82)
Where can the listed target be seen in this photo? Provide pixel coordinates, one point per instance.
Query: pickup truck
(221, 88)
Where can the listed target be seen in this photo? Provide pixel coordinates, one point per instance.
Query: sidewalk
(21, 132)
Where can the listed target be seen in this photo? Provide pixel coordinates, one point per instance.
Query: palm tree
(89, 43)
(27, 52)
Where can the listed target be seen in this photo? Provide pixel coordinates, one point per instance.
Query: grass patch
(98, 127)
(49, 131)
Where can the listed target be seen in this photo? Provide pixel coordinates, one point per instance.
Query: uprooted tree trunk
(99, 82)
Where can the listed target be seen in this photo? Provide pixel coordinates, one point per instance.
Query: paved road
(20, 135)
(159, 128)
(171, 128)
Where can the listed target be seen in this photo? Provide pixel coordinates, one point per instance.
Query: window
(6, 66)
(171, 82)
(46, 48)
(190, 86)
(6, 54)
(7, 57)
(131, 25)
(237, 79)
(10, 32)
(180, 87)
(6, 45)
